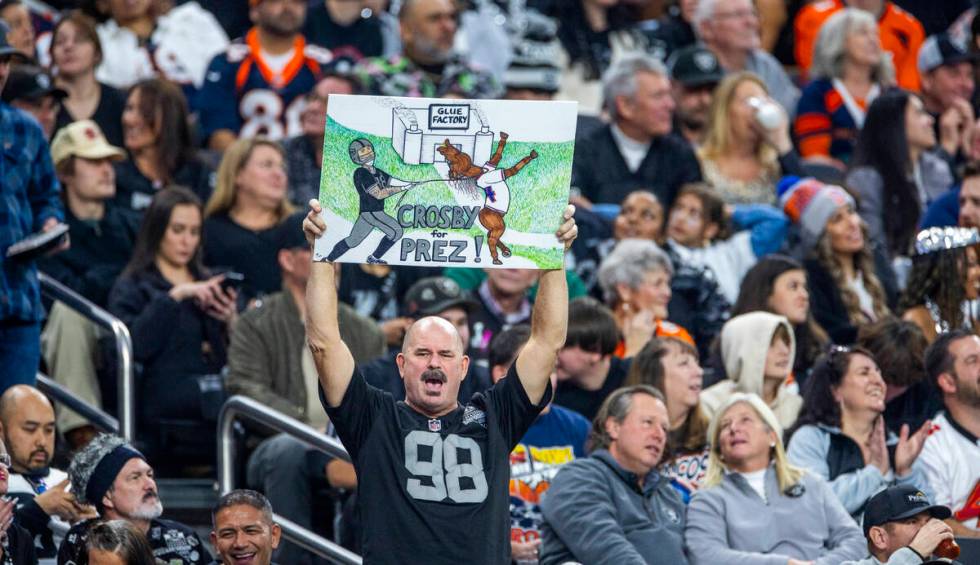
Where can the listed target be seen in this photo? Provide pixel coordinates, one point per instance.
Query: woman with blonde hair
(249, 217)
(754, 507)
(849, 71)
(744, 154)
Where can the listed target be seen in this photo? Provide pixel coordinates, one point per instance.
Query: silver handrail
(94, 415)
(244, 408)
(124, 348)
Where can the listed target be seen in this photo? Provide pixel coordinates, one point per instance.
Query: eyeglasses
(739, 14)
(5, 460)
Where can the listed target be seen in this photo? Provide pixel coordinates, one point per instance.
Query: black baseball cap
(431, 295)
(941, 49)
(695, 66)
(898, 503)
(27, 82)
(291, 235)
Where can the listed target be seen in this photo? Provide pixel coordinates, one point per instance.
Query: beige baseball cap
(83, 139)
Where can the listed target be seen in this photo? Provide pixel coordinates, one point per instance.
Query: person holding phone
(179, 315)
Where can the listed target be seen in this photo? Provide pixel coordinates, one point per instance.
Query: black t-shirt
(135, 191)
(255, 254)
(108, 114)
(363, 180)
(434, 490)
(362, 38)
(20, 547)
(172, 542)
(587, 402)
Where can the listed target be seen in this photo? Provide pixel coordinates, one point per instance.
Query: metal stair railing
(124, 348)
(94, 415)
(240, 407)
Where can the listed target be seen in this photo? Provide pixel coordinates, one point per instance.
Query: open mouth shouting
(435, 380)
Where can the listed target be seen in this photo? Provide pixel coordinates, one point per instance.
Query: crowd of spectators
(772, 333)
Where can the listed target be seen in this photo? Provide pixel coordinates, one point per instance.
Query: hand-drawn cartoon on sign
(440, 160)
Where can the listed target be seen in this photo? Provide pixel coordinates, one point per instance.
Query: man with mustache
(433, 473)
(114, 477)
(244, 531)
(44, 500)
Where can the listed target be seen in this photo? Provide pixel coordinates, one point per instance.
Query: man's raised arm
(333, 360)
(549, 321)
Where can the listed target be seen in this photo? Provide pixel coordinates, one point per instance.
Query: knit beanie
(810, 204)
(96, 466)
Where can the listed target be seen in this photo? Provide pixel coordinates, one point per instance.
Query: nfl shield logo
(435, 425)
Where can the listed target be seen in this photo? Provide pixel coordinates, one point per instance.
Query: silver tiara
(942, 239)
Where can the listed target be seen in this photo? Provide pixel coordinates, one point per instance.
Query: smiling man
(114, 477)
(244, 533)
(615, 506)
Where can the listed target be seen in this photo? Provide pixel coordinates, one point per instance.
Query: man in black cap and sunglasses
(903, 527)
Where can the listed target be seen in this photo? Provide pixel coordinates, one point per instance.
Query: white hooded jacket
(745, 343)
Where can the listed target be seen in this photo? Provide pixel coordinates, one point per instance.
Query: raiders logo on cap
(705, 61)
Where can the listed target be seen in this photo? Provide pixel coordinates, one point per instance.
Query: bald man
(433, 474)
(42, 493)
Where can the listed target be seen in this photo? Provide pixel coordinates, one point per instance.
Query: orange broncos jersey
(901, 35)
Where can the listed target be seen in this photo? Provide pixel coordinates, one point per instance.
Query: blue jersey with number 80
(242, 94)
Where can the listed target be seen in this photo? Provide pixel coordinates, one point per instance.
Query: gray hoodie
(595, 512)
(731, 524)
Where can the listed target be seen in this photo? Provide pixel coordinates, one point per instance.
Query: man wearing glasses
(730, 29)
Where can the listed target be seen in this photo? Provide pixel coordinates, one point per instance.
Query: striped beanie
(810, 204)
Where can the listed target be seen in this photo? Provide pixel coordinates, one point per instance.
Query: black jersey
(172, 542)
(434, 490)
(363, 180)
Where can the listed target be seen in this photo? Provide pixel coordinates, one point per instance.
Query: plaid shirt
(28, 197)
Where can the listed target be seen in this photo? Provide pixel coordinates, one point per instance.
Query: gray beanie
(93, 469)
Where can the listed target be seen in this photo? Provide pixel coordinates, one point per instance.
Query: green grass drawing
(545, 179)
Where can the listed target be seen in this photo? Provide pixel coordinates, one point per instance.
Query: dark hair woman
(851, 280)
(944, 282)
(900, 348)
(75, 54)
(157, 137)
(671, 366)
(179, 316)
(841, 434)
(590, 32)
(778, 284)
(893, 172)
(118, 541)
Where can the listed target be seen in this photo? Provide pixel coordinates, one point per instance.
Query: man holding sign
(433, 474)
(373, 186)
